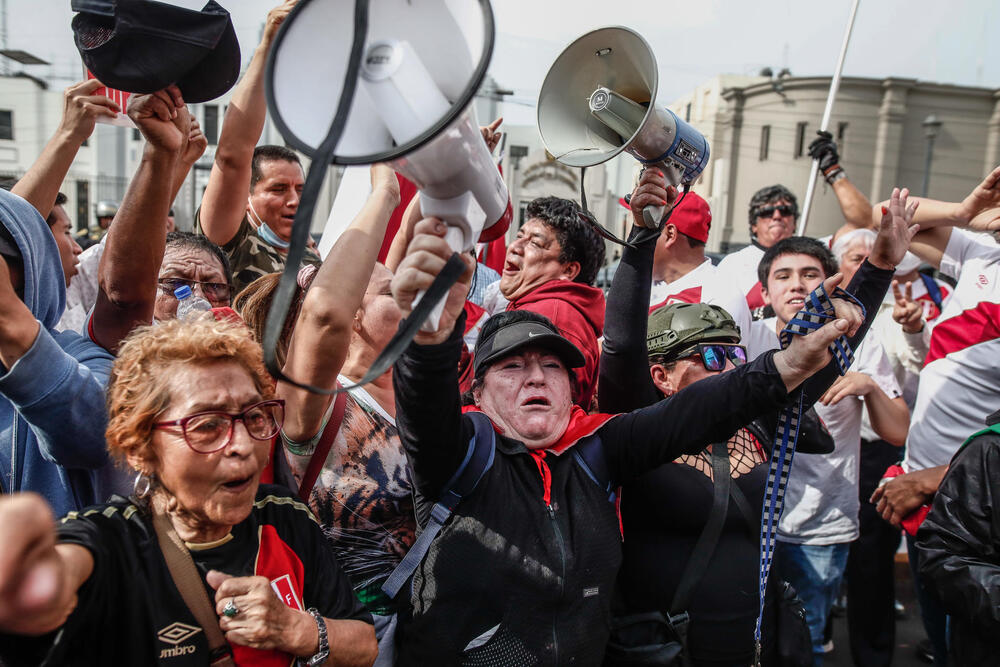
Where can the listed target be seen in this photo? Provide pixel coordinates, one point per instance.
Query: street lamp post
(931, 126)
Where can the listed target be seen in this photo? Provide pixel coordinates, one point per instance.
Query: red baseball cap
(692, 216)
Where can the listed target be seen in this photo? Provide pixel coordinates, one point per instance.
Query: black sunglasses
(768, 211)
(714, 355)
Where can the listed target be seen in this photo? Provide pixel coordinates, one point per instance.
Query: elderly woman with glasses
(192, 411)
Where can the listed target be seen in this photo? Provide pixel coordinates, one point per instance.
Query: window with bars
(800, 139)
(6, 124)
(211, 126)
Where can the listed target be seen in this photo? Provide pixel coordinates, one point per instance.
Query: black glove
(824, 149)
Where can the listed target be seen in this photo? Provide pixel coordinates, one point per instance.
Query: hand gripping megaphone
(400, 88)
(599, 99)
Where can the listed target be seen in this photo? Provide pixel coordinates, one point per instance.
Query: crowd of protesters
(583, 475)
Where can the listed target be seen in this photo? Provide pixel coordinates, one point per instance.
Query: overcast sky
(924, 39)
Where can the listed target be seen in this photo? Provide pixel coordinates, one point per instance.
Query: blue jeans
(815, 572)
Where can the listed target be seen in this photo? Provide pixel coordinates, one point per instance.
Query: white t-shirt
(81, 295)
(704, 285)
(960, 382)
(905, 351)
(740, 270)
(821, 498)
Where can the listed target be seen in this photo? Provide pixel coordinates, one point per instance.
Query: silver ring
(230, 609)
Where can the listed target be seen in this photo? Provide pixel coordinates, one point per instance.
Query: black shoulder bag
(653, 638)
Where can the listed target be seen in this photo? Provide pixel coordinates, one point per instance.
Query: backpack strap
(933, 289)
(478, 459)
(322, 450)
(589, 455)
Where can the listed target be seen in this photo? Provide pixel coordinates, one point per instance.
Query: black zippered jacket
(511, 579)
(959, 545)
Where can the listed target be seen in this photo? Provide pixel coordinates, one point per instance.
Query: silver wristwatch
(323, 652)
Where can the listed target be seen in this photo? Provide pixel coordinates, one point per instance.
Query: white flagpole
(834, 86)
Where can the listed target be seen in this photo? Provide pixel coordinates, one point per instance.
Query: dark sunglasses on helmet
(768, 211)
(714, 355)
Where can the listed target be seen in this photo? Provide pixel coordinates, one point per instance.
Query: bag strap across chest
(479, 456)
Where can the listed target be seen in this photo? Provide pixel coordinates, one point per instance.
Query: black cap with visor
(526, 333)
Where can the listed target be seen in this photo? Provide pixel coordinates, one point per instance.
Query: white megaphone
(599, 99)
(420, 65)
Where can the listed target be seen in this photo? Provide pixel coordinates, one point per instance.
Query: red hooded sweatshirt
(578, 311)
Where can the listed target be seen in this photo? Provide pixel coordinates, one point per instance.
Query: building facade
(760, 131)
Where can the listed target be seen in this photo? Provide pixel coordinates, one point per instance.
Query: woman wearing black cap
(525, 568)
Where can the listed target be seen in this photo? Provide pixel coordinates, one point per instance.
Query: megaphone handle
(652, 215)
(455, 237)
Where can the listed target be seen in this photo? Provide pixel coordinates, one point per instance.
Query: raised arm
(853, 204)
(137, 238)
(979, 211)
(225, 201)
(38, 578)
(81, 109)
(401, 241)
(323, 330)
(193, 148)
(625, 383)
(425, 378)
(712, 409)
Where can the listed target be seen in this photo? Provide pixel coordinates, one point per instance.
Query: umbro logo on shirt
(983, 281)
(174, 634)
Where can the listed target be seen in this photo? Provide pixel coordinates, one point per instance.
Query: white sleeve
(873, 361)
(964, 245)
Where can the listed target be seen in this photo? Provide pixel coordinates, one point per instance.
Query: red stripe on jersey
(973, 326)
(755, 297)
(690, 295)
(285, 571)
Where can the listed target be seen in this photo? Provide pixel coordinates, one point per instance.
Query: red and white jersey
(740, 270)
(960, 382)
(703, 285)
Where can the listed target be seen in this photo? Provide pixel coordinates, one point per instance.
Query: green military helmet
(680, 325)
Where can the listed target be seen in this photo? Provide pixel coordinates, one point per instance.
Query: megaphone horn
(421, 66)
(599, 99)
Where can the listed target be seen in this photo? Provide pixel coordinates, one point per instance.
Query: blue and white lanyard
(817, 311)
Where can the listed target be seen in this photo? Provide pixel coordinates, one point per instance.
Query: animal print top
(362, 498)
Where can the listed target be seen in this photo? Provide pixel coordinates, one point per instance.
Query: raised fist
(824, 149)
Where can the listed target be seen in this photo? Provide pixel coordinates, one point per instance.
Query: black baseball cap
(141, 46)
(524, 333)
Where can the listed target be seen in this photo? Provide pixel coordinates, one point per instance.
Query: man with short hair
(62, 232)
(550, 269)
(682, 273)
(820, 517)
(774, 212)
(253, 191)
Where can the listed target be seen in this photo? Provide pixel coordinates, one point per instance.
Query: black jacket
(511, 578)
(660, 530)
(959, 546)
